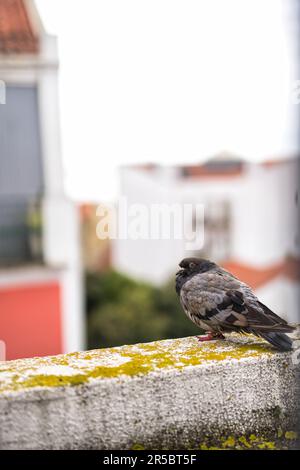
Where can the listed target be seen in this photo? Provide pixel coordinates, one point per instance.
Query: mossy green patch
(229, 442)
(79, 367)
(291, 435)
(137, 447)
(267, 445)
(244, 442)
(280, 432)
(249, 442)
(262, 441)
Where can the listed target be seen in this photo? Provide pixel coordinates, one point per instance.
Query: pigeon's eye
(192, 265)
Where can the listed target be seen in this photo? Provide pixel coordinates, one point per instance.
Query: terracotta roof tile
(16, 32)
(212, 171)
(255, 277)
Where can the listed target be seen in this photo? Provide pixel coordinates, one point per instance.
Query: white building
(251, 223)
(41, 306)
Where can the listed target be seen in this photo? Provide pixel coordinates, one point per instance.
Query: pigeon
(218, 302)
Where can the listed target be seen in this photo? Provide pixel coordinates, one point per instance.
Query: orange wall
(30, 320)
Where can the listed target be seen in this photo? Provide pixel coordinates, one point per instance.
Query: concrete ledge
(173, 394)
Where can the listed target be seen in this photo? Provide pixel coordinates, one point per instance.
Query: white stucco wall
(264, 222)
(61, 243)
(265, 215)
(282, 295)
(172, 394)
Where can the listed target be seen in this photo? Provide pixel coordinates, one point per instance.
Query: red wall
(30, 320)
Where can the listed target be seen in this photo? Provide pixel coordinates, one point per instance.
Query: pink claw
(210, 337)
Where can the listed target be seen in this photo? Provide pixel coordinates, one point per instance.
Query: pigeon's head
(195, 266)
(190, 267)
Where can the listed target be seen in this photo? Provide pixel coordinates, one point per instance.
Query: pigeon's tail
(278, 340)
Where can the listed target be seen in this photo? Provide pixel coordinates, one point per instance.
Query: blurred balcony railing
(20, 232)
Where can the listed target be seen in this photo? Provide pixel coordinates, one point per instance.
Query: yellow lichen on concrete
(80, 367)
(231, 442)
(252, 442)
(242, 443)
(291, 435)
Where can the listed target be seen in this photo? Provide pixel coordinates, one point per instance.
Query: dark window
(21, 178)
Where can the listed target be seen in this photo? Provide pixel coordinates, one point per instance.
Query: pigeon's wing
(261, 318)
(224, 302)
(213, 297)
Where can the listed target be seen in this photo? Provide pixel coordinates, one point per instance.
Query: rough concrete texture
(174, 394)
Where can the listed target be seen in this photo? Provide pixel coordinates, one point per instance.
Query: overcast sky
(169, 81)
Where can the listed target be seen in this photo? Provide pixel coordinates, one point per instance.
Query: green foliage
(123, 311)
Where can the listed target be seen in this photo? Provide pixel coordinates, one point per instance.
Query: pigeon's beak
(179, 272)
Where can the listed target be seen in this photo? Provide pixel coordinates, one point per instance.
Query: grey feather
(280, 340)
(217, 301)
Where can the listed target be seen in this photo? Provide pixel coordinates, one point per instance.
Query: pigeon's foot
(210, 337)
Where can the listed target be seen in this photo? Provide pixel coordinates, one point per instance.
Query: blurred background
(159, 102)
